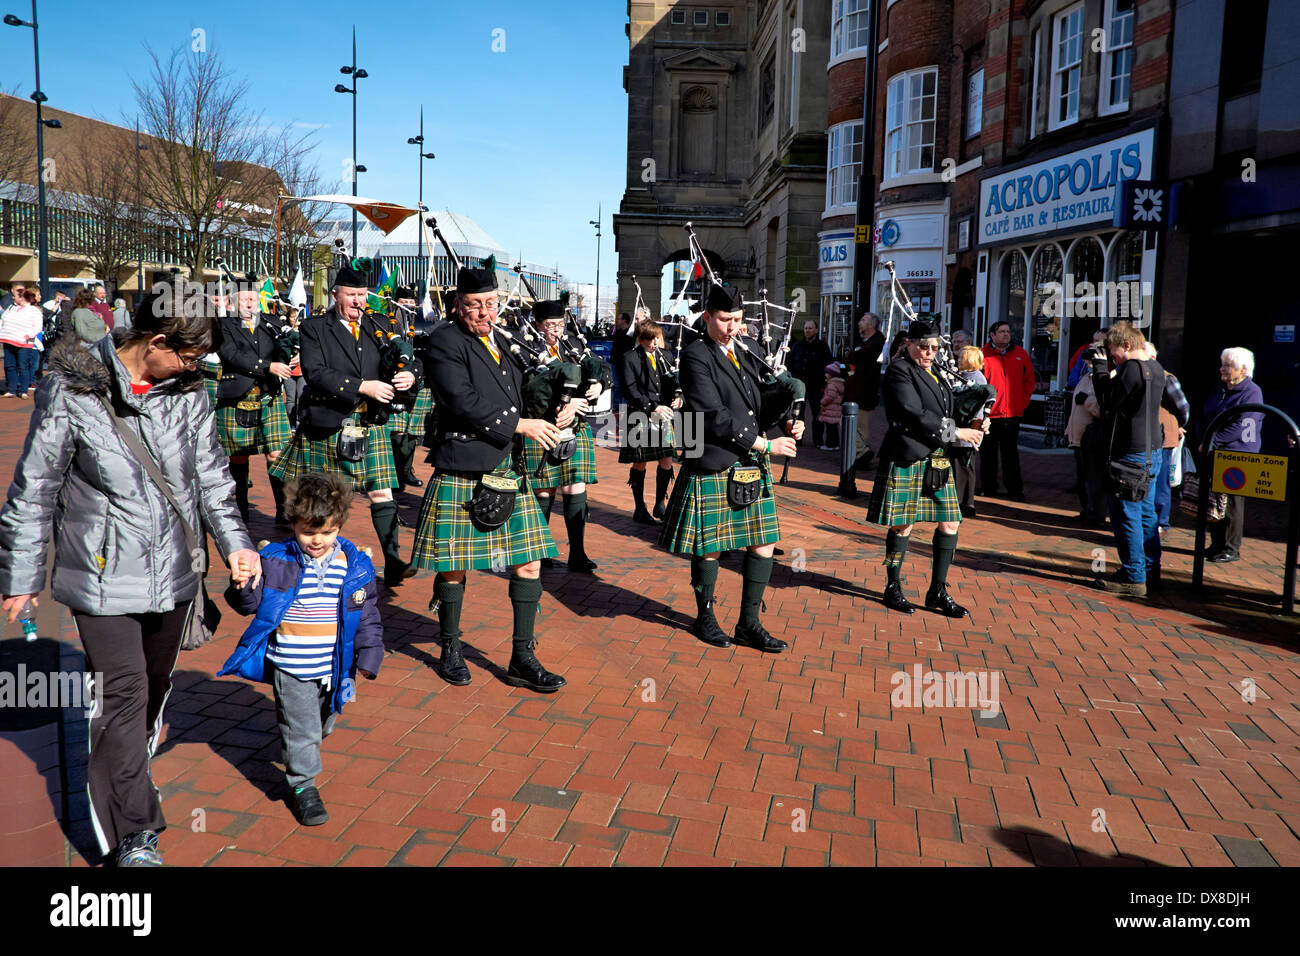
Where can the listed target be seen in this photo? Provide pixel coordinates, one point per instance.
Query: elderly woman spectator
(123, 564)
(1242, 433)
(121, 317)
(20, 324)
(87, 324)
(965, 456)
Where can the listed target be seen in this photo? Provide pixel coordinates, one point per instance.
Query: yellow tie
(734, 361)
(487, 340)
(356, 329)
(555, 352)
(653, 364)
(932, 375)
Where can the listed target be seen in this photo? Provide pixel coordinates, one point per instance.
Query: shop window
(849, 26)
(1044, 333)
(1067, 63)
(1083, 296)
(843, 163)
(1124, 297)
(1116, 57)
(910, 122)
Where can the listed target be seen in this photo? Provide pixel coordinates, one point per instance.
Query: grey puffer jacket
(119, 547)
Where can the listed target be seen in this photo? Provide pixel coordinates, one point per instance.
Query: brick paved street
(1120, 735)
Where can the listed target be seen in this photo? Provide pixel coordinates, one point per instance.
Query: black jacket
(334, 365)
(643, 386)
(245, 359)
(1125, 399)
(727, 398)
(864, 384)
(478, 401)
(916, 406)
(808, 361)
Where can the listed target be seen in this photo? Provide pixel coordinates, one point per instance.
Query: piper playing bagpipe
(653, 398)
(410, 409)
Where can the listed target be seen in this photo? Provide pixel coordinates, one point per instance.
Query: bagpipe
(397, 354)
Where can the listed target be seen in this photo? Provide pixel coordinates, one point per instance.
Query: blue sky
(528, 140)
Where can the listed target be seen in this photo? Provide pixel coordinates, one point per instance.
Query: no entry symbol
(1234, 478)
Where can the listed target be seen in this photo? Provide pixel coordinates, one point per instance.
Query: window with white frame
(849, 26)
(701, 18)
(843, 162)
(975, 103)
(1033, 90)
(909, 123)
(1067, 63)
(1117, 57)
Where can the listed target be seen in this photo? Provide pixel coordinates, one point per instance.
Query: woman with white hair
(1227, 512)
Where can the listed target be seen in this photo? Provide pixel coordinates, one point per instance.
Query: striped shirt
(303, 645)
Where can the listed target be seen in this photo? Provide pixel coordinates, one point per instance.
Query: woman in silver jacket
(121, 561)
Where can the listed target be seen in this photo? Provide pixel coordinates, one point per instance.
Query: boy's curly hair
(317, 499)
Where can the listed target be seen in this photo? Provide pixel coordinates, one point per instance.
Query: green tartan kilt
(271, 434)
(580, 468)
(413, 422)
(896, 496)
(211, 375)
(650, 444)
(446, 539)
(701, 521)
(374, 472)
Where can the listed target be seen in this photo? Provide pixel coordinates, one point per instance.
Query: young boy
(316, 626)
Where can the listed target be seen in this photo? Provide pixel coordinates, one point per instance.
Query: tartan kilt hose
(580, 468)
(701, 521)
(446, 539)
(271, 434)
(896, 496)
(413, 422)
(373, 473)
(642, 443)
(211, 375)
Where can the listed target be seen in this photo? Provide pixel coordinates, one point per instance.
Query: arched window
(1043, 338)
(1084, 291)
(698, 133)
(1011, 298)
(1124, 298)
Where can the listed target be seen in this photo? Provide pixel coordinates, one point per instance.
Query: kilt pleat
(896, 496)
(638, 444)
(580, 468)
(373, 473)
(270, 434)
(701, 521)
(413, 422)
(446, 539)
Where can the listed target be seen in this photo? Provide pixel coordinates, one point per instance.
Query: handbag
(199, 624)
(938, 469)
(353, 443)
(248, 410)
(1125, 480)
(744, 485)
(564, 449)
(493, 501)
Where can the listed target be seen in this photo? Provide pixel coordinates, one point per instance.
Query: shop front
(1052, 264)
(912, 237)
(835, 262)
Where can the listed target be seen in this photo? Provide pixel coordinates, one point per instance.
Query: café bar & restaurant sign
(1072, 191)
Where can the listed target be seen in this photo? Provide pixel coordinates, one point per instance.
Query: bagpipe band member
(572, 475)
(345, 400)
(723, 500)
(407, 428)
(648, 395)
(477, 512)
(914, 481)
(251, 417)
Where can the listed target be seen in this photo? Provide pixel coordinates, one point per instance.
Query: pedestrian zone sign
(1254, 476)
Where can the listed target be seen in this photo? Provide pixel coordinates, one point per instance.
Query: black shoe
(308, 807)
(1224, 556)
(937, 599)
(395, 572)
(706, 629)
(1016, 496)
(138, 849)
(895, 601)
(659, 511)
(527, 671)
(643, 517)
(582, 564)
(410, 479)
(968, 512)
(758, 638)
(452, 667)
(548, 563)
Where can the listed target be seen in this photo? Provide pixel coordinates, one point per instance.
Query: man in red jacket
(1010, 370)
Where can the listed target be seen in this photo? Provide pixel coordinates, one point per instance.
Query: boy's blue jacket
(361, 635)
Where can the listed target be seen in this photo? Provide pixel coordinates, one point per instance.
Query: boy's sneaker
(139, 849)
(308, 807)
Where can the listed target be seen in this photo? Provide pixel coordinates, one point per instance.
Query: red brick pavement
(1121, 734)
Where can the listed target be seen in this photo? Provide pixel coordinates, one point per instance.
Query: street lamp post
(356, 74)
(595, 309)
(139, 218)
(42, 241)
(418, 143)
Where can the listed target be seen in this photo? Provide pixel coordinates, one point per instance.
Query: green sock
(450, 595)
(575, 522)
(895, 551)
(525, 595)
(704, 576)
(945, 546)
(755, 572)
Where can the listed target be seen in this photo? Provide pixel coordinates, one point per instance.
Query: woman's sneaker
(139, 849)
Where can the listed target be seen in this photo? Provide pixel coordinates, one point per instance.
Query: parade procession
(887, 500)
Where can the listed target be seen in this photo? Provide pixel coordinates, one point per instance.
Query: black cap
(548, 309)
(403, 292)
(472, 281)
(922, 329)
(722, 299)
(351, 278)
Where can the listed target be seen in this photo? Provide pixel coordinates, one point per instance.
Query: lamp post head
(13, 21)
(52, 124)
(39, 97)
(361, 74)
(340, 88)
(428, 156)
(414, 140)
(345, 70)
(360, 169)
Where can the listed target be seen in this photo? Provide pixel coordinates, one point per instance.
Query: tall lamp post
(356, 74)
(418, 143)
(595, 309)
(42, 241)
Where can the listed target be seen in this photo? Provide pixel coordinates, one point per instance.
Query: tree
(17, 157)
(300, 223)
(102, 187)
(208, 169)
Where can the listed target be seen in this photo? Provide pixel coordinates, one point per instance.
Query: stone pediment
(699, 60)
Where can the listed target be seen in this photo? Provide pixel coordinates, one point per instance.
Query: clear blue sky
(528, 140)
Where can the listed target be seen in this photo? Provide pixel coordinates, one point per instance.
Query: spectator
(87, 325)
(20, 325)
(1228, 512)
(864, 381)
(808, 361)
(1010, 371)
(832, 405)
(1079, 367)
(1084, 433)
(964, 454)
(58, 315)
(122, 562)
(622, 341)
(962, 339)
(121, 317)
(101, 306)
(1174, 415)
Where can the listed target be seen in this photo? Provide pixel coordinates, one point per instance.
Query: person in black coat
(915, 482)
(808, 360)
(720, 382)
(649, 432)
(864, 383)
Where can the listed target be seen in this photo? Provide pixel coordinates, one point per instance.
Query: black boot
(383, 514)
(239, 471)
(662, 478)
(450, 595)
(755, 572)
(575, 521)
(937, 599)
(895, 552)
(704, 576)
(525, 669)
(637, 480)
(277, 492)
(403, 454)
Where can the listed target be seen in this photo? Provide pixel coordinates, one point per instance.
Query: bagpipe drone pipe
(970, 401)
